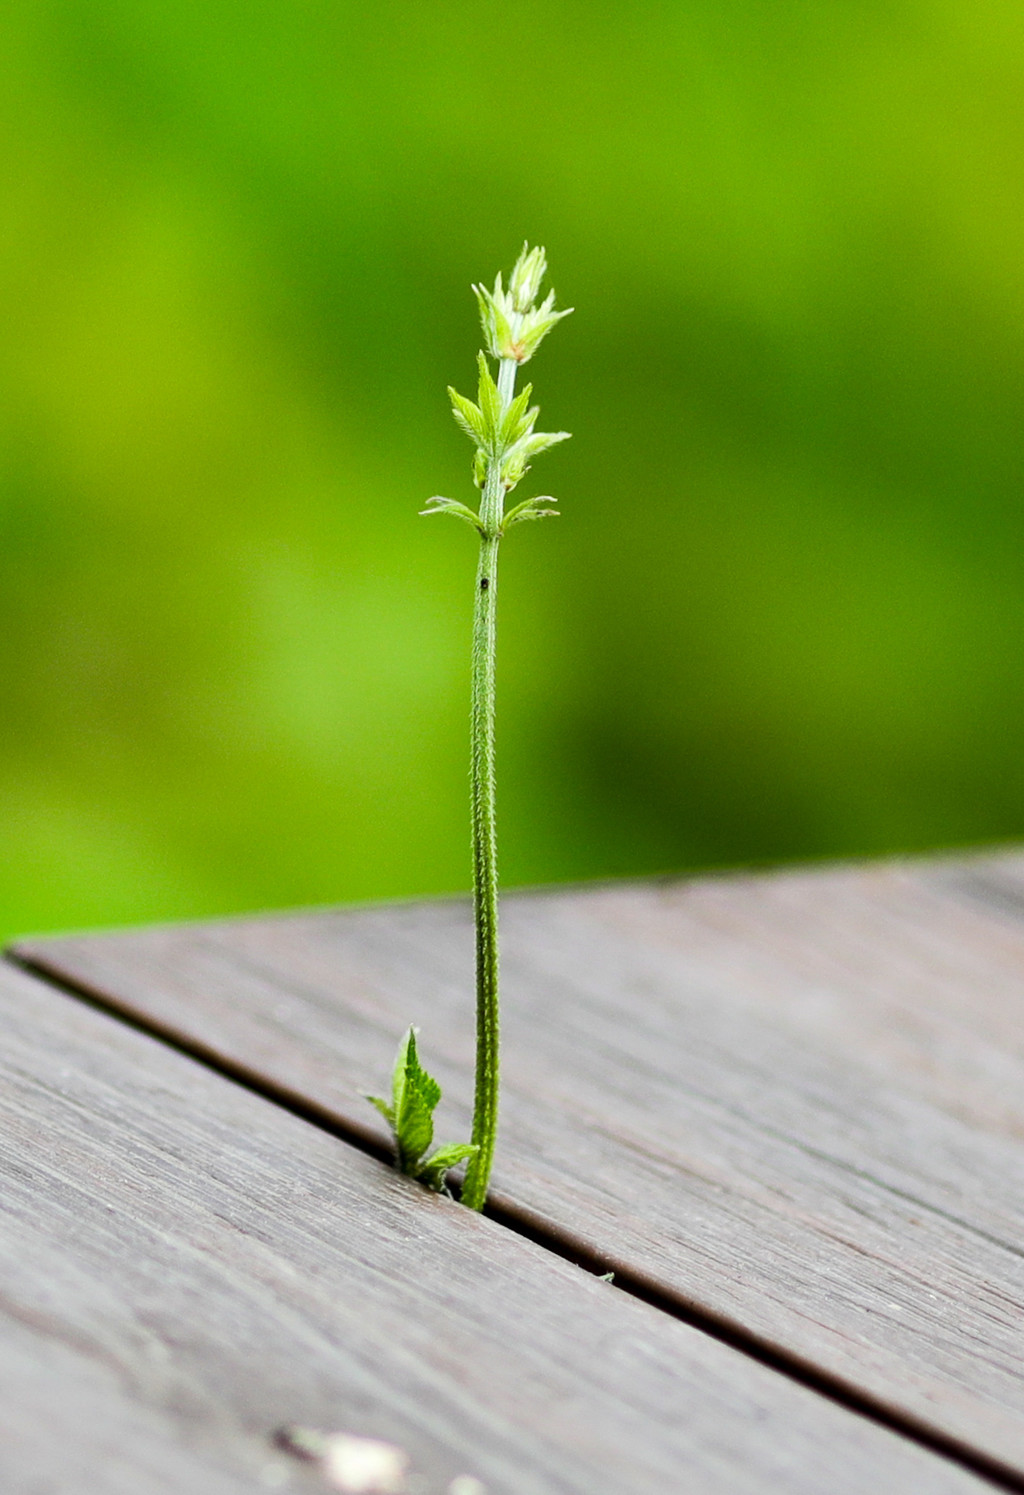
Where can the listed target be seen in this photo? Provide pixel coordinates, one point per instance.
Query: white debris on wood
(365, 1466)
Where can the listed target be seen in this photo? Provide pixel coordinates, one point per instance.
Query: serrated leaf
(415, 1096)
(424, 1088)
(414, 1131)
(518, 419)
(490, 402)
(417, 1076)
(468, 417)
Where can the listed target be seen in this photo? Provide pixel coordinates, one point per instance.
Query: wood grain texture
(184, 1266)
(791, 1102)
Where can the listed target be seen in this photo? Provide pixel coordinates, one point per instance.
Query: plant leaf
(398, 1073)
(432, 1172)
(417, 1076)
(416, 1095)
(414, 1132)
(518, 419)
(468, 417)
(438, 505)
(516, 461)
(450, 1154)
(495, 307)
(382, 1106)
(539, 441)
(490, 402)
(535, 327)
(529, 509)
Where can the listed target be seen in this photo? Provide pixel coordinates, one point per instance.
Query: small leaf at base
(383, 1107)
(432, 1172)
(415, 1096)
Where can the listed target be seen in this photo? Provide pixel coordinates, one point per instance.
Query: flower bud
(524, 283)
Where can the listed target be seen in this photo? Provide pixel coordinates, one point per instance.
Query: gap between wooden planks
(792, 1104)
(184, 1266)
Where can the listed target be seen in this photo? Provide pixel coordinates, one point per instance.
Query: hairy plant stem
(485, 841)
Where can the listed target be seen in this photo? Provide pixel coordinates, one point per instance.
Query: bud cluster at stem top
(513, 326)
(500, 423)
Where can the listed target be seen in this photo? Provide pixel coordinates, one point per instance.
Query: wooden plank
(996, 882)
(793, 1104)
(184, 1266)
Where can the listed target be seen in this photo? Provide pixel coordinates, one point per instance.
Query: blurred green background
(782, 614)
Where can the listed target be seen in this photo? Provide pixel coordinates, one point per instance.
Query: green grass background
(782, 614)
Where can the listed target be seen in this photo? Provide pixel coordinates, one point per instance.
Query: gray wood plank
(184, 1266)
(792, 1103)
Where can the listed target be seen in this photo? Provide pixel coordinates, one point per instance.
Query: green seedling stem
(501, 426)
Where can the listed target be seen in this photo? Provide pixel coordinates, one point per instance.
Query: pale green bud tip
(513, 326)
(524, 284)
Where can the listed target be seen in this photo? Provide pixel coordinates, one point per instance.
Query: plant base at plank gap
(414, 1098)
(501, 426)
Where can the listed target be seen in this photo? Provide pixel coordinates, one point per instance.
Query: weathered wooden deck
(786, 1110)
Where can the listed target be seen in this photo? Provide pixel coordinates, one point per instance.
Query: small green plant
(414, 1098)
(501, 426)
